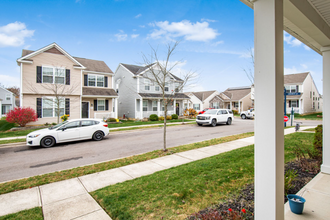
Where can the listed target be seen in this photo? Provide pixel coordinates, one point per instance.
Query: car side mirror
(63, 129)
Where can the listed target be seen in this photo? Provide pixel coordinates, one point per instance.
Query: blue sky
(215, 36)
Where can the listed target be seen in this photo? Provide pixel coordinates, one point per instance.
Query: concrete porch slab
(71, 208)
(20, 200)
(99, 180)
(142, 169)
(171, 161)
(194, 154)
(99, 215)
(54, 192)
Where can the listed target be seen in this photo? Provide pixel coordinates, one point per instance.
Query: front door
(84, 109)
(177, 110)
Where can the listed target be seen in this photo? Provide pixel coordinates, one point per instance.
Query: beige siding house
(54, 82)
(199, 100)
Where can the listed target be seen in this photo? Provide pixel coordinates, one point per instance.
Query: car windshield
(211, 112)
(58, 125)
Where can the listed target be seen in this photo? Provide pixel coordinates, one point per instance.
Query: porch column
(174, 106)
(1, 107)
(325, 167)
(116, 107)
(158, 107)
(231, 105)
(239, 106)
(268, 127)
(141, 108)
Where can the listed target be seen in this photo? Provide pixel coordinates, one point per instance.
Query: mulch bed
(232, 209)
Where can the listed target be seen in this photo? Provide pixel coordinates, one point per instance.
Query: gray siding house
(7, 101)
(139, 97)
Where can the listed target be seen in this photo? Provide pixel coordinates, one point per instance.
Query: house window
(101, 105)
(5, 109)
(100, 81)
(147, 84)
(235, 104)
(50, 107)
(166, 87)
(156, 88)
(91, 80)
(154, 106)
(176, 85)
(292, 88)
(313, 105)
(313, 93)
(163, 107)
(95, 80)
(196, 107)
(216, 105)
(318, 105)
(145, 105)
(8, 97)
(310, 94)
(294, 104)
(53, 75)
(185, 106)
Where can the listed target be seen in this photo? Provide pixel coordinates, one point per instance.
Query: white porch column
(141, 108)
(239, 106)
(116, 107)
(231, 105)
(325, 167)
(269, 132)
(158, 107)
(1, 107)
(174, 106)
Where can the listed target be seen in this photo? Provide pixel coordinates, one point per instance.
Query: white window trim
(145, 101)
(54, 68)
(199, 107)
(154, 106)
(166, 88)
(8, 96)
(96, 81)
(147, 83)
(54, 106)
(99, 105)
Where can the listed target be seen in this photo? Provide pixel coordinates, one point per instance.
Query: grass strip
(5, 134)
(35, 214)
(181, 191)
(135, 123)
(12, 141)
(147, 127)
(80, 171)
(309, 129)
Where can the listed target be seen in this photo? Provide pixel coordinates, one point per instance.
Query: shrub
(235, 112)
(290, 177)
(161, 118)
(168, 117)
(153, 117)
(65, 117)
(21, 116)
(175, 116)
(318, 139)
(190, 112)
(111, 120)
(54, 123)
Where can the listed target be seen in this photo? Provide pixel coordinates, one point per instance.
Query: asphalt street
(25, 161)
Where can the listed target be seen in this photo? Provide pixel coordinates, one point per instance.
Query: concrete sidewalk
(70, 199)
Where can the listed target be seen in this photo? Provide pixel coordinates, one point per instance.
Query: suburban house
(200, 100)
(139, 96)
(236, 98)
(7, 101)
(52, 79)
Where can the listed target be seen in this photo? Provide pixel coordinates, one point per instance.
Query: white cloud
(139, 15)
(304, 66)
(134, 36)
(217, 43)
(142, 26)
(121, 36)
(7, 80)
(14, 34)
(199, 31)
(292, 70)
(291, 40)
(208, 20)
(307, 47)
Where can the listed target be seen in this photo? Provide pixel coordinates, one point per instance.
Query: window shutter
(39, 107)
(105, 81)
(298, 103)
(106, 105)
(67, 77)
(85, 80)
(67, 106)
(95, 105)
(39, 74)
(289, 103)
(297, 88)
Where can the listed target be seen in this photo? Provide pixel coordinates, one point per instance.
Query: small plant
(230, 214)
(111, 120)
(161, 118)
(46, 124)
(65, 117)
(168, 117)
(54, 123)
(290, 177)
(190, 112)
(21, 116)
(235, 112)
(175, 116)
(318, 140)
(153, 117)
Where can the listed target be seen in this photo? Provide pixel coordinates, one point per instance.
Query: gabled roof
(98, 92)
(83, 63)
(295, 78)
(202, 95)
(156, 95)
(136, 70)
(237, 93)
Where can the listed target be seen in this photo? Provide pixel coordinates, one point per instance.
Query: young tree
(159, 73)
(21, 116)
(250, 71)
(14, 89)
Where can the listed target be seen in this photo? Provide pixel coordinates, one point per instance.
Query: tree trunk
(165, 115)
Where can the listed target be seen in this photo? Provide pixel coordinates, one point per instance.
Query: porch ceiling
(306, 20)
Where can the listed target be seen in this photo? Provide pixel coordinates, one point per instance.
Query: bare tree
(250, 71)
(54, 92)
(14, 89)
(160, 74)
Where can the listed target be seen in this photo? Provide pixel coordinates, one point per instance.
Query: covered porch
(308, 21)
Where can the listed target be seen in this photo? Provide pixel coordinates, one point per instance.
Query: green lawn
(135, 123)
(4, 125)
(4, 134)
(35, 214)
(178, 192)
(307, 117)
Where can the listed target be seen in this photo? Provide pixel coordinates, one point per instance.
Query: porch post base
(325, 169)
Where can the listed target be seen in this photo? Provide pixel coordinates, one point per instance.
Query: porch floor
(317, 195)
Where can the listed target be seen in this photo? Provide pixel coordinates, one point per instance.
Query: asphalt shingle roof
(99, 92)
(236, 94)
(295, 78)
(202, 95)
(155, 95)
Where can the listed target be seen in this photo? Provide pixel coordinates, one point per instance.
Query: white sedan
(215, 116)
(70, 130)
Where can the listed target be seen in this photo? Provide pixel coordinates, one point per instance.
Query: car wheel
(199, 124)
(47, 142)
(214, 123)
(243, 116)
(229, 121)
(98, 135)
